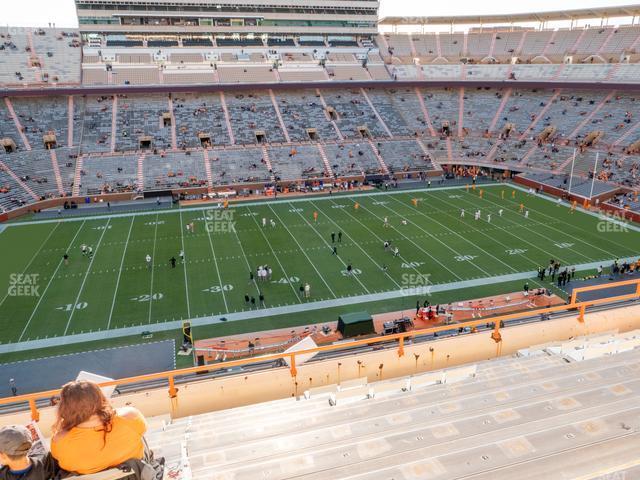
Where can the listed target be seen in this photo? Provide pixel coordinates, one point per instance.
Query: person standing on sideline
(340, 237)
(307, 290)
(261, 297)
(333, 237)
(12, 386)
(335, 251)
(173, 262)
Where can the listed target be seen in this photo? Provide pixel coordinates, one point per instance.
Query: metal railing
(498, 323)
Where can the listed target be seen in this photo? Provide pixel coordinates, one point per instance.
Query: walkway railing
(498, 323)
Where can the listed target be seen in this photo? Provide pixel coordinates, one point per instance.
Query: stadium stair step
(264, 420)
(558, 72)
(497, 116)
(140, 175)
(56, 171)
(376, 152)
(375, 112)
(267, 161)
(540, 115)
(18, 180)
(327, 165)
(587, 118)
(70, 121)
(16, 122)
(613, 71)
(174, 135)
(332, 122)
(549, 43)
(492, 47)
(77, 177)
(114, 122)
(425, 112)
(207, 169)
(279, 115)
(460, 112)
(227, 119)
(578, 41)
(516, 409)
(612, 32)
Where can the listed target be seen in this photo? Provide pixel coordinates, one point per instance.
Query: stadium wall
(243, 389)
(231, 87)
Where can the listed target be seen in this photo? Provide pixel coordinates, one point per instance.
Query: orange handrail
(497, 321)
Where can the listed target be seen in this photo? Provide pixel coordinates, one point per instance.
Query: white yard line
(153, 261)
(573, 237)
(460, 236)
(304, 253)
(256, 203)
(115, 293)
(330, 247)
(215, 261)
(522, 225)
(300, 308)
(184, 263)
(246, 259)
(95, 253)
(34, 257)
(357, 244)
(418, 246)
(380, 239)
(295, 293)
(35, 309)
(436, 239)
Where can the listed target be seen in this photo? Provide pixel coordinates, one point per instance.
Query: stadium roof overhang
(559, 15)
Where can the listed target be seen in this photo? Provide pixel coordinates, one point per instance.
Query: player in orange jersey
(356, 206)
(521, 207)
(414, 201)
(315, 216)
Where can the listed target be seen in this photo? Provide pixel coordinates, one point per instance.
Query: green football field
(42, 297)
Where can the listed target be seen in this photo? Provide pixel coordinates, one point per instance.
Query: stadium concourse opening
(294, 235)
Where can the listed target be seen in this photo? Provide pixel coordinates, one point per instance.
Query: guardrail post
(35, 414)
(294, 371)
(173, 391)
(581, 316)
(401, 347)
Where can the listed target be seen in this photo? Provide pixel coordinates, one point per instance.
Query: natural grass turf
(114, 289)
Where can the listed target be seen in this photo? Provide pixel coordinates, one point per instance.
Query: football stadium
(304, 239)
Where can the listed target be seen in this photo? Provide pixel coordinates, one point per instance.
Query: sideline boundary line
(295, 308)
